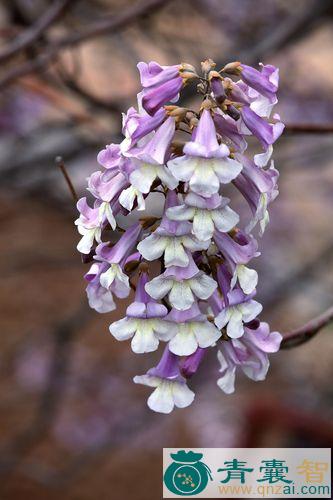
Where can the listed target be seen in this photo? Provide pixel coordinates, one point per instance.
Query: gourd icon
(187, 475)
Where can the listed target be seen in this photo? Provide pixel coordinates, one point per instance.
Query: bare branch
(308, 331)
(109, 24)
(309, 128)
(60, 163)
(30, 35)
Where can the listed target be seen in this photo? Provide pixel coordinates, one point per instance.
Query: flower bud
(232, 68)
(216, 84)
(207, 65)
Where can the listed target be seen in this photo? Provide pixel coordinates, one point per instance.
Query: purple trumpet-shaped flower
(113, 277)
(265, 82)
(241, 309)
(182, 285)
(237, 250)
(170, 386)
(107, 191)
(110, 157)
(88, 225)
(207, 215)
(138, 124)
(150, 159)
(205, 163)
(259, 188)
(265, 132)
(99, 298)
(161, 84)
(144, 322)
(193, 331)
(228, 129)
(171, 239)
(250, 353)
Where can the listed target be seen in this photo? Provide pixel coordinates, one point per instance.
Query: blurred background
(72, 422)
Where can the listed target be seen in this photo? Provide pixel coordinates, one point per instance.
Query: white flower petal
(123, 329)
(185, 342)
(175, 254)
(227, 382)
(223, 317)
(165, 330)
(158, 287)
(181, 297)
(143, 177)
(235, 328)
(107, 278)
(120, 286)
(161, 400)
(262, 159)
(182, 168)
(148, 380)
(182, 395)
(153, 247)
(203, 226)
(100, 299)
(206, 333)
(250, 310)
(180, 213)
(127, 197)
(204, 181)
(248, 278)
(86, 242)
(225, 219)
(202, 285)
(144, 339)
(227, 169)
(166, 177)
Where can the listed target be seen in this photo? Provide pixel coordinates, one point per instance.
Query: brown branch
(309, 128)
(113, 24)
(308, 331)
(30, 35)
(60, 163)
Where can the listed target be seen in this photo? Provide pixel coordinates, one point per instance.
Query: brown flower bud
(207, 65)
(207, 104)
(176, 112)
(232, 68)
(187, 67)
(193, 122)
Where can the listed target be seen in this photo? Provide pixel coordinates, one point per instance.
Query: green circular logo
(187, 475)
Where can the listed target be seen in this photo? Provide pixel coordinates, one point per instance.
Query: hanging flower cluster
(203, 294)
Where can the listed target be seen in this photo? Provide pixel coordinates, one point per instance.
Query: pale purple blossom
(161, 84)
(169, 385)
(191, 267)
(206, 163)
(249, 353)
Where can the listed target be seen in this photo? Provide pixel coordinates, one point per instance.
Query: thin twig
(60, 163)
(309, 128)
(30, 35)
(109, 24)
(308, 331)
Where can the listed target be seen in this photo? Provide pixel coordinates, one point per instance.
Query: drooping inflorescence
(203, 294)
